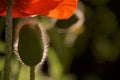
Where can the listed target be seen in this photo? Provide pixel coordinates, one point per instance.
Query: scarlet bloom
(59, 9)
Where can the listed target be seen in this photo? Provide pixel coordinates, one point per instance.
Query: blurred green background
(88, 50)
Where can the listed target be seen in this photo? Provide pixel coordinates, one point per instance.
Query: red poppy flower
(60, 9)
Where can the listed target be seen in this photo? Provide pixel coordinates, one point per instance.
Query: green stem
(32, 72)
(8, 41)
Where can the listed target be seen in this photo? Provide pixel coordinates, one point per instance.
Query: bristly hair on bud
(30, 24)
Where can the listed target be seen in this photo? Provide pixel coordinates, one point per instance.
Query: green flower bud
(31, 42)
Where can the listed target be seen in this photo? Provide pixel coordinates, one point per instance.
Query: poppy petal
(60, 9)
(2, 7)
(64, 10)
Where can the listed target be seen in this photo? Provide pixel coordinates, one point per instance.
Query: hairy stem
(32, 72)
(8, 41)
